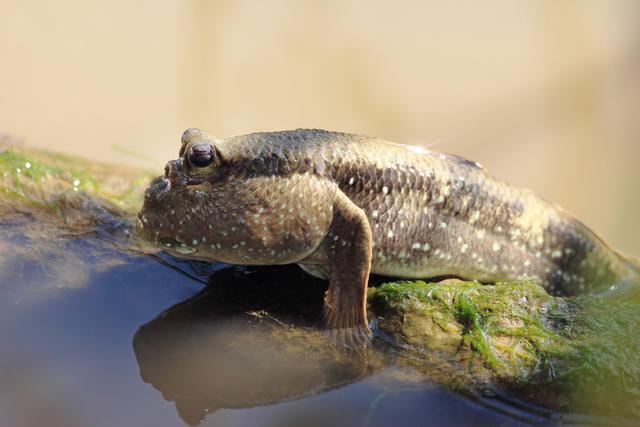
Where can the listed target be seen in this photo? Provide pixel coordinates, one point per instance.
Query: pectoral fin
(349, 249)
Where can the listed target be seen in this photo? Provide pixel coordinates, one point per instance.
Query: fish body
(343, 206)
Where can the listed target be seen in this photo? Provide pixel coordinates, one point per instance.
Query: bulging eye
(201, 155)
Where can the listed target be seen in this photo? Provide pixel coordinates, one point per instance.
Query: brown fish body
(343, 205)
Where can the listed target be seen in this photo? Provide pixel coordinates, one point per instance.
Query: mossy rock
(580, 354)
(75, 190)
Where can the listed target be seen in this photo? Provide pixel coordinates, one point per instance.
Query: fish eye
(201, 155)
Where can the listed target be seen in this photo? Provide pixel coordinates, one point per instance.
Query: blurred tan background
(546, 94)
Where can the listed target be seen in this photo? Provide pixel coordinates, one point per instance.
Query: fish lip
(154, 196)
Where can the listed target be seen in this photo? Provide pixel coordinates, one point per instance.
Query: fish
(344, 206)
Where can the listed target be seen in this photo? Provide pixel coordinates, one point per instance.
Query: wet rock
(579, 354)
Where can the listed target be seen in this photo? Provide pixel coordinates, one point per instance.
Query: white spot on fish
(390, 234)
(556, 254)
(496, 247)
(27, 165)
(374, 214)
(385, 189)
(351, 181)
(416, 245)
(194, 242)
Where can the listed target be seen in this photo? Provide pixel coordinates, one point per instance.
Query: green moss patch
(578, 354)
(55, 182)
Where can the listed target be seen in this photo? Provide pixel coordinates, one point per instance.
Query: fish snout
(174, 173)
(172, 169)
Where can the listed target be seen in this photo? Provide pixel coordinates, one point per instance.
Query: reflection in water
(233, 345)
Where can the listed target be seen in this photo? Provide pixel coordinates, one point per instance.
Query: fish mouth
(154, 197)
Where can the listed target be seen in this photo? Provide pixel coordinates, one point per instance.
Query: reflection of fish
(343, 205)
(233, 345)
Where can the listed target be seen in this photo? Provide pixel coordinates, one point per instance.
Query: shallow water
(94, 335)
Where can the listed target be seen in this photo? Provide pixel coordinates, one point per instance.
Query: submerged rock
(250, 336)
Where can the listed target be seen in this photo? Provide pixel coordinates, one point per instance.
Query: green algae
(53, 181)
(574, 354)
